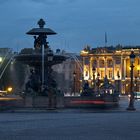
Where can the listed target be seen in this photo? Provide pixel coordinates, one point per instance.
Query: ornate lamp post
(98, 82)
(93, 71)
(74, 80)
(118, 75)
(131, 102)
(50, 60)
(136, 84)
(52, 100)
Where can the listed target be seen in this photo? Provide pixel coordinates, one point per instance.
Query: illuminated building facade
(113, 62)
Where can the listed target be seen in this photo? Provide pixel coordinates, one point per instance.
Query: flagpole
(105, 39)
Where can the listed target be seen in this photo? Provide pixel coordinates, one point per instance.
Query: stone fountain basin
(36, 59)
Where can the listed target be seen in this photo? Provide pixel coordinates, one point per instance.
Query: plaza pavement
(72, 124)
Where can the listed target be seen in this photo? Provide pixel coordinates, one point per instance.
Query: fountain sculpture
(40, 59)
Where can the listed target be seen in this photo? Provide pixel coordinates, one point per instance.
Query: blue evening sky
(77, 22)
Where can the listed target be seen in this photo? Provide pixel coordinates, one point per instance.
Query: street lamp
(136, 84)
(9, 89)
(132, 96)
(93, 71)
(74, 76)
(52, 99)
(118, 75)
(98, 82)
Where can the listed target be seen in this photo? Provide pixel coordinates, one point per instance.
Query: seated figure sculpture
(33, 83)
(87, 91)
(39, 41)
(106, 81)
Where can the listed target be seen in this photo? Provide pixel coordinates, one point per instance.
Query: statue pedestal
(43, 102)
(28, 102)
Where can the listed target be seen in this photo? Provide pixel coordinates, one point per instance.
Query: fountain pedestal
(41, 59)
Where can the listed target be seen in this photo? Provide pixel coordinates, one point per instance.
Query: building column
(105, 66)
(124, 70)
(90, 68)
(121, 67)
(90, 71)
(113, 68)
(97, 64)
(83, 73)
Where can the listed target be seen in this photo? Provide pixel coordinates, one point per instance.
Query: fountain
(40, 59)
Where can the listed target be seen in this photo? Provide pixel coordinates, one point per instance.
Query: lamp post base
(131, 108)
(131, 104)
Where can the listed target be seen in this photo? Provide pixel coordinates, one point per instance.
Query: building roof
(108, 49)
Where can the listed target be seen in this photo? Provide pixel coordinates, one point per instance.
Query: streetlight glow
(9, 89)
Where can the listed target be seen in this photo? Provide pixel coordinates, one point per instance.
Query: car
(3, 93)
(137, 95)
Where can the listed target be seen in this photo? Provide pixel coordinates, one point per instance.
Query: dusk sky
(77, 22)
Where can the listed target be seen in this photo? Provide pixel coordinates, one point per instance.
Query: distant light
(84, 52)
(12, 62)
(9, 89)
(138, 67)
(129, 95)
(1, 59)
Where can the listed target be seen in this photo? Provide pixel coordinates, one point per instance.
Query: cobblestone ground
(116, 124)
